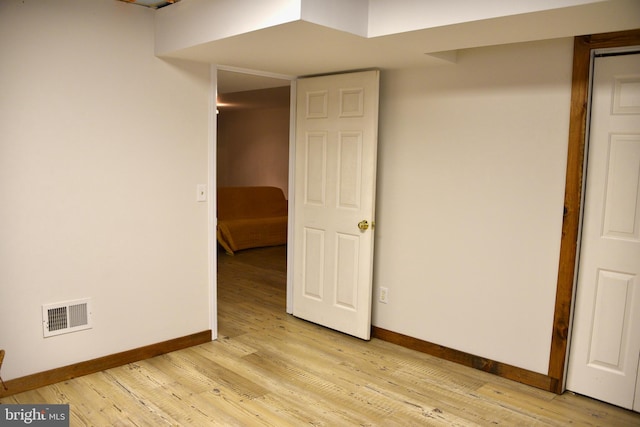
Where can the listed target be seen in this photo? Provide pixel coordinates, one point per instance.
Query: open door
(335, 177)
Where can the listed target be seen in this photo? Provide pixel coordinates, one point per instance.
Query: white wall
(101, 147)
(397, 16)
(472, 161)
(194, 22)
(253, 147)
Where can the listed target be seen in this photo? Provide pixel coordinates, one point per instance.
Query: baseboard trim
(520, 375)
(41, 379)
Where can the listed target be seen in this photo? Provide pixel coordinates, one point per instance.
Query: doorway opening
(252, 150)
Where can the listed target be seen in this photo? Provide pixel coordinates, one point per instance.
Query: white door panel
(605, 345)
(621, 207)
(336, 144)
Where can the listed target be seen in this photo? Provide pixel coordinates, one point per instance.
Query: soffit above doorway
(308, 37)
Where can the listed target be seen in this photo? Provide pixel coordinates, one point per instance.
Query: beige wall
(472, 161)
(253, 143)
(101, 148)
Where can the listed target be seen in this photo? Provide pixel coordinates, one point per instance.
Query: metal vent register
(65, 317)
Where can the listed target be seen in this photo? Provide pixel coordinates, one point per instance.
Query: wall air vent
(65, 317)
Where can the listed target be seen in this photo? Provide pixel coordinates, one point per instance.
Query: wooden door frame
(569, 246)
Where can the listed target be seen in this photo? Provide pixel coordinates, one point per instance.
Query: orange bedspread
(251, 217)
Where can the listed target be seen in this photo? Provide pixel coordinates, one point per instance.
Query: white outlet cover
(201, 193)
(384, 295)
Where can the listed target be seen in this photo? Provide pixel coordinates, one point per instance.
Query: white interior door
(605, 346)
(335, 176)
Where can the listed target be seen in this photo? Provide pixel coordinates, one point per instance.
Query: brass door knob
(363, 225)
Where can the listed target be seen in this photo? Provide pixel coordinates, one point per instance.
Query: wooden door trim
(583, 45)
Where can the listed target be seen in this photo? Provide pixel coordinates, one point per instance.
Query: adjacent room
(252, 160)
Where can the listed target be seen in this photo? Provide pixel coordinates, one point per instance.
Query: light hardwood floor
(269, 368)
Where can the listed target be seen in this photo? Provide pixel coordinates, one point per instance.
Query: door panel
(313, 267)
(336, 144)
(315, 158)
(605, 346)
(622, 213)
(349, 170)
(611, 314)
(346, 281)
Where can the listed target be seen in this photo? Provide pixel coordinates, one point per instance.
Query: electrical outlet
(384, 295)
(201, 193)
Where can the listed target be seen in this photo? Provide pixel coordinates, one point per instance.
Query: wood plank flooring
(271, 369)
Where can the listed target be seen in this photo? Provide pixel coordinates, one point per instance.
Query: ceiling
(223, 33)
(304, 48)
